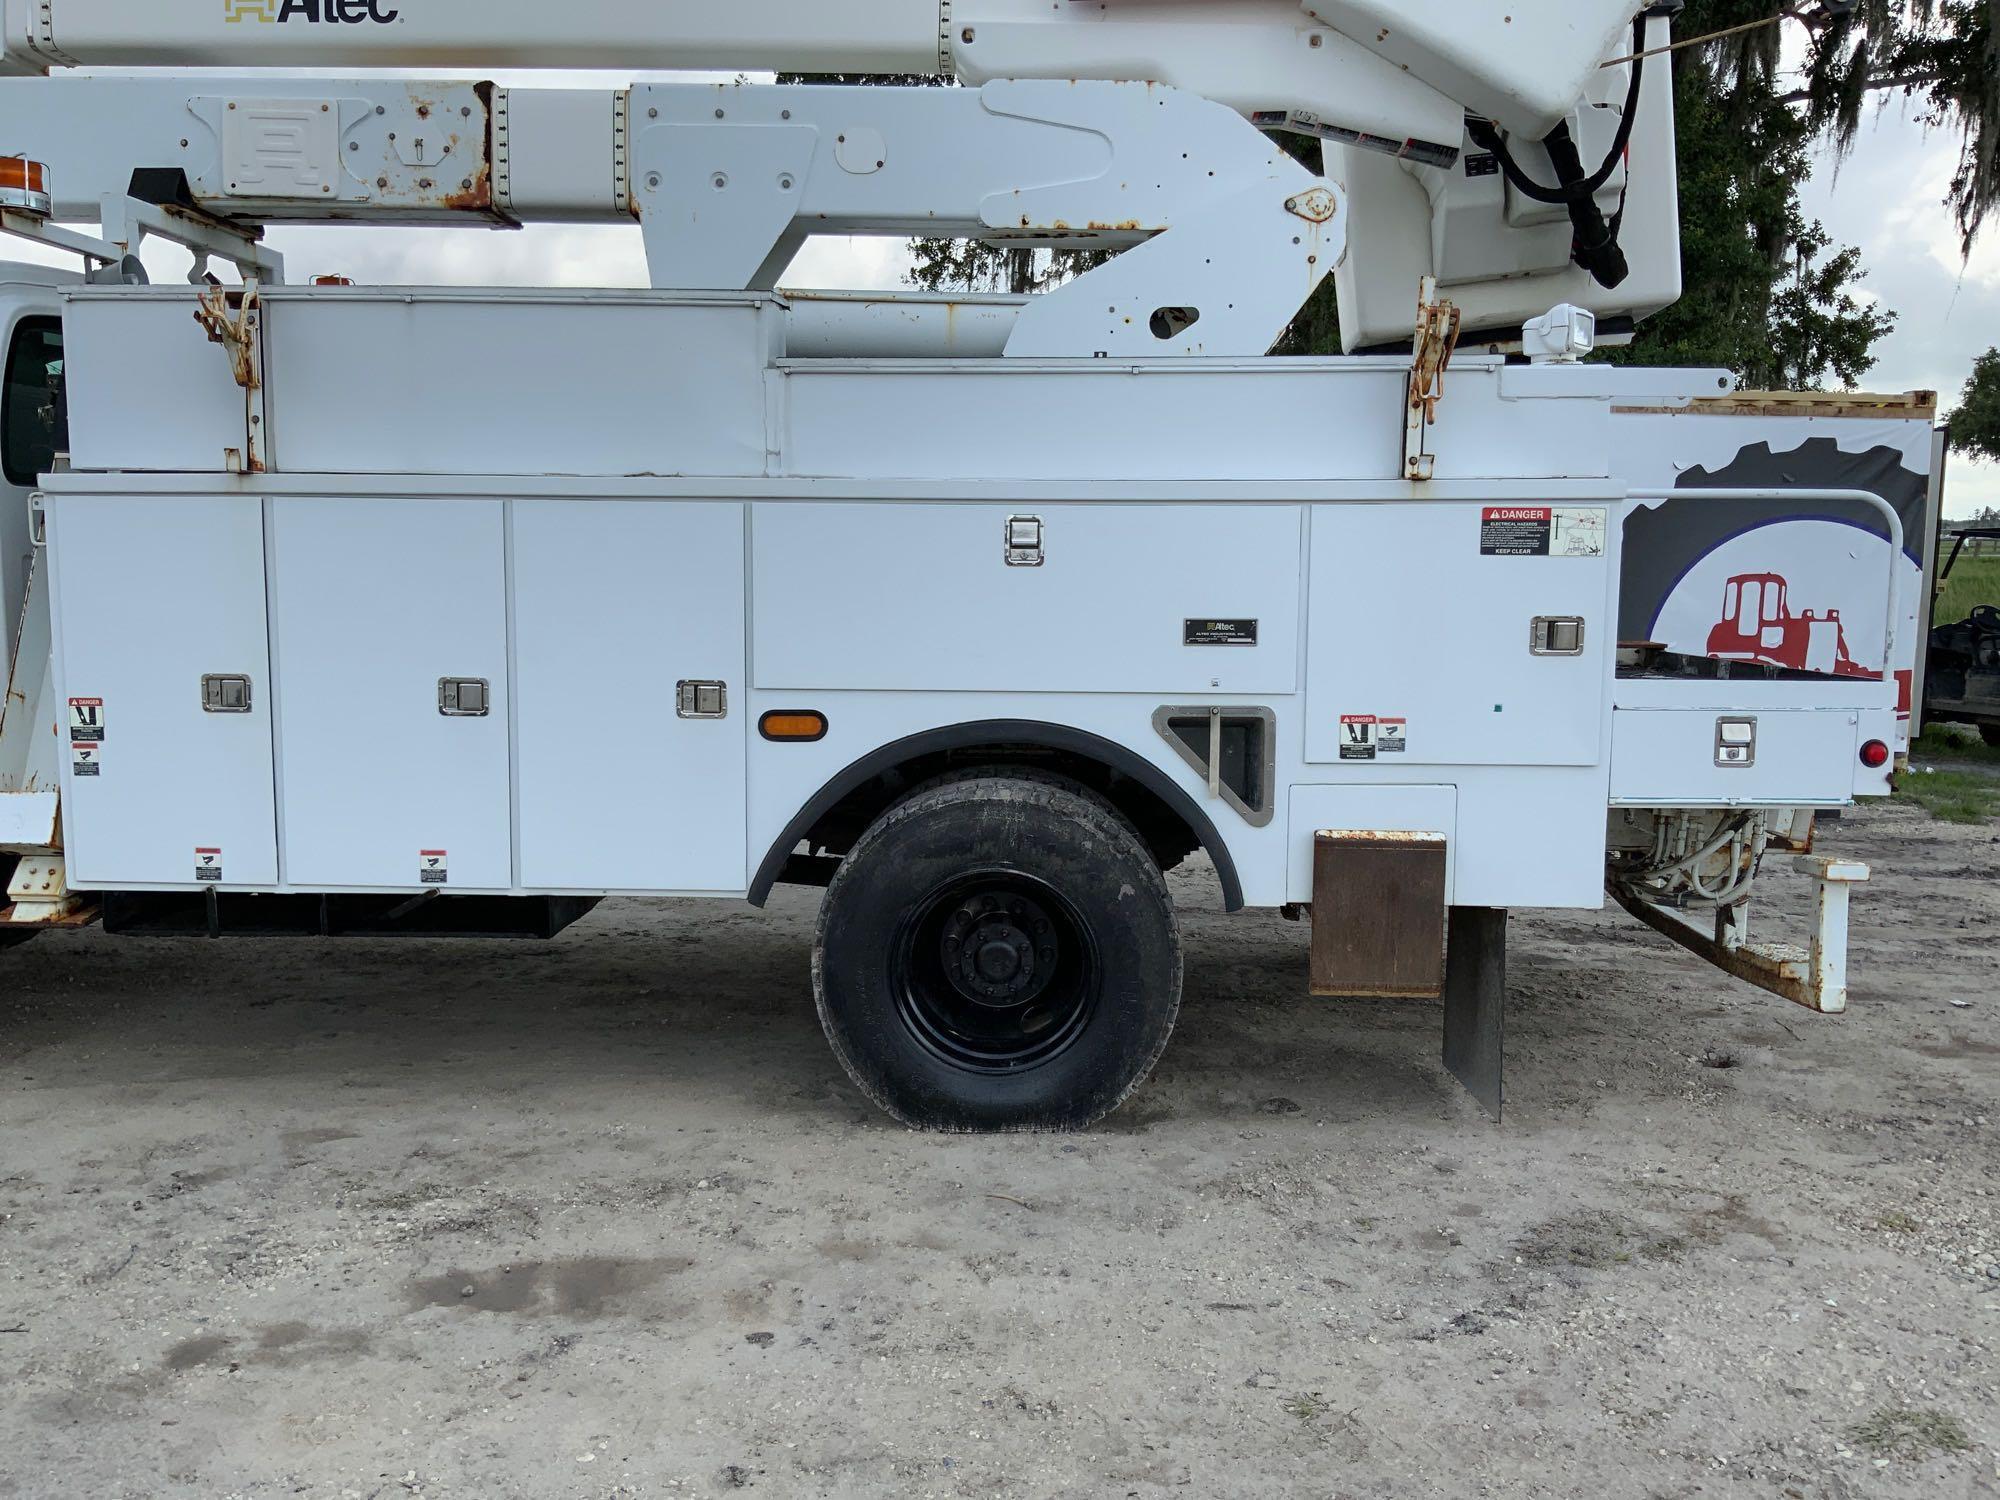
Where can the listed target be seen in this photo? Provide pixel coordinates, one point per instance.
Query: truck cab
(34, 422)
(33, 416)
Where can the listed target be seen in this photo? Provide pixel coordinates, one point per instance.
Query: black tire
(1063, 1006)
(1991, 734)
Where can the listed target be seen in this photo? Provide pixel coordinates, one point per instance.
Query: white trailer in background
(366, 610)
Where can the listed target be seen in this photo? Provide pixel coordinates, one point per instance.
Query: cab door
(34, 428)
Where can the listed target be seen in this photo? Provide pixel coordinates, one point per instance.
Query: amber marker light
(24, 186)
(798, 726)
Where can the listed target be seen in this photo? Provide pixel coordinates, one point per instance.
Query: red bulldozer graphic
(1758, 625)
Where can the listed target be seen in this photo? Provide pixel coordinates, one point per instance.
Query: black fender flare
(1029, 732)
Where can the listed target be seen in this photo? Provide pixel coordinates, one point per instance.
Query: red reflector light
(1874, 755)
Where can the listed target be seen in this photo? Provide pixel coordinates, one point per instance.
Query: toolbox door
(165, 689)
(629, 640)
(390, 637)
(1448, 634)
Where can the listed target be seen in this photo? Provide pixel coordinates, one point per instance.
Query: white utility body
(403, 609)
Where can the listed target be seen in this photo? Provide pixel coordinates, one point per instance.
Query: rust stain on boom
(475, 193)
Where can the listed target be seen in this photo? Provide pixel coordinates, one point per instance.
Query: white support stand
(127, 224)
(1827, 977)
(1814, 976)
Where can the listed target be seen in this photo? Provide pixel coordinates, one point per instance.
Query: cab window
(34, 423)
(1747, 615)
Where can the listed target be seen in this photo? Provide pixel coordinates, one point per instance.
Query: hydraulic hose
(1596, 246)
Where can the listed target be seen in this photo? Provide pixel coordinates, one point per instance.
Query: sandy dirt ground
(602, 1217)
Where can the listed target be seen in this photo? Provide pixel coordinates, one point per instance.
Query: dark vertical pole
(1475, 1001)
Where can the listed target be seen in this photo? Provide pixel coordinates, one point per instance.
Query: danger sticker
(433, 867)
(1515, 530)
(1579, 531)
(1392, 736)
(1542, 531)
(208, 866)
(86, 720)
(86, 760)
(1357, 736)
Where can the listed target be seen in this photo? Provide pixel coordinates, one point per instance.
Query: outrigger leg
(1475, 1001)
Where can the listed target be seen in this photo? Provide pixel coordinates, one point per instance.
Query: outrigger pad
(1475, 1001)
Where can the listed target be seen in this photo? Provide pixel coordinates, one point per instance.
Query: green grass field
(1953, 775)
(1976, 580)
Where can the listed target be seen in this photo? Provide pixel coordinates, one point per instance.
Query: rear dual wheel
(998, 953)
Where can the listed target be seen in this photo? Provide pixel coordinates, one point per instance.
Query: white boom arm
(1363, 65)
(728, 186)
(1225, 230)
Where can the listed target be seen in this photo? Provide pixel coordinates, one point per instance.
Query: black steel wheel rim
(995, 972)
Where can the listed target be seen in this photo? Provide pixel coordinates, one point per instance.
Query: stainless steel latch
(465, 697)
(704, 700)
(1736, 742)
(225, 694)
(1556, 635)
(1024, 542)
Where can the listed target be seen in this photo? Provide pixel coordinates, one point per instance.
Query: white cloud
(1888, 197)
(1919, 215)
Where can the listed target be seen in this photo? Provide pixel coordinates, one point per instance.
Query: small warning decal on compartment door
(433, 867)
(1357, 736)
(1392, 736)
(1542, 530)
(86, 760)
(86, 721)
(208, 866)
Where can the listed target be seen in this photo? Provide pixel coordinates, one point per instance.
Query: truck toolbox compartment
(1661, 757)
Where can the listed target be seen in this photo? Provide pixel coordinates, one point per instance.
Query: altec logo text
(331, 12)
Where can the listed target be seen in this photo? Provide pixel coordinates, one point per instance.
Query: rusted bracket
(1813, 976)
(39, 897)
(231, 319)
(1430, 356)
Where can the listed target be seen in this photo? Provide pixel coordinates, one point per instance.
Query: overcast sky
(1887, 197)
